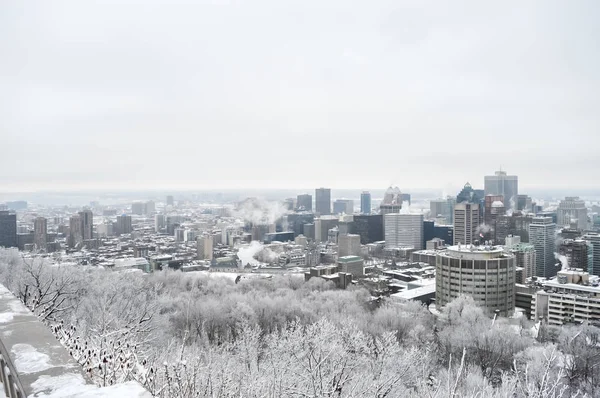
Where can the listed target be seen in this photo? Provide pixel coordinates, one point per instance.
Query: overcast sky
(275, 93)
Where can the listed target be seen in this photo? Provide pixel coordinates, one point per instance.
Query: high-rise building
(75, 231)
(593, 238)
(516, 224)
(323, 201)
(369, 227)
(403, 230)
(494, 207)
(138, 208)
(204, 247)
(524, 259)
(391, 203)
(365, 202)
(149, 207)
(470, 195)
(502, 184)
(87, 224)
(8, 229)
(428, 231)
(486, 273)
(296, 221)
(348, 245)
(444, 232)
(524, 203)
(572, 208)
(343, 206)
(442, 209)
(304, 202)
(40, 233)
(159, 222)
(438, 208)
(170, 200)
(491, 202)
(542, 235)
(405, 197)
(124, 224)
(322, 226)
(577, 252)
(466, 221)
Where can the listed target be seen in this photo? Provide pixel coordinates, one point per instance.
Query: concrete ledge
(39, 364)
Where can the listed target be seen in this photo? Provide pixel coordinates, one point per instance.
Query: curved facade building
(486, 273)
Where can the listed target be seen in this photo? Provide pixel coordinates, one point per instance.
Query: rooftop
(347, 259)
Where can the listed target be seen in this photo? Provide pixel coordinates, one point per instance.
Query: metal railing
(8, 376)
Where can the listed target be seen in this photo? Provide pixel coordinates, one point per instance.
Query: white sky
(273, 93)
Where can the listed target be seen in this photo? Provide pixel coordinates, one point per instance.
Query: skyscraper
(494, 208)
(322, 226)
(149, 207)
(8, 229)
(505, 185)
(204, 247)
(345, 206)
(304, 202)
(572, 208)
(170, 200)
(466, 221)
(40, 233)
(403, 230)
(124, 224)
(87, 224)
(75, 231)
(542, 235)
(524, 258)
(593, 239)
(577, 252)
(369, 227)
(159, 222)
(392, 203)
(365, 202)
(323, 201)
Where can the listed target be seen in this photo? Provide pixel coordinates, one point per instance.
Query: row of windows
(477, 264)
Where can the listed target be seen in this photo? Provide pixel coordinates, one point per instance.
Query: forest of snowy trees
(186, 335)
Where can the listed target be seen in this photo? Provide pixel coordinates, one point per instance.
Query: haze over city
(333, 198)
(269, 94)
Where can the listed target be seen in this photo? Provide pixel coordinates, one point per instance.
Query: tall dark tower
(8, 229)
(323, 201)
(365, 202)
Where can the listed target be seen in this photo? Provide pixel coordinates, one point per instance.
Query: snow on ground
(73, 385)
(6, 317)
(29, 360)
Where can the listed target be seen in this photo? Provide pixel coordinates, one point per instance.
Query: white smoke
(256, 253)
(247, 253)
(512, 208)
(564, 261)
(405, 209)
(483, 229)
(260, 211)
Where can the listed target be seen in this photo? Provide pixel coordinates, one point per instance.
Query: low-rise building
(572, 296)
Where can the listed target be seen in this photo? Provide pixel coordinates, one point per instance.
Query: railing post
(3, 375)
(11, 386)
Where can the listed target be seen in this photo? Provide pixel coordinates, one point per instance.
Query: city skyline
(270, 95)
